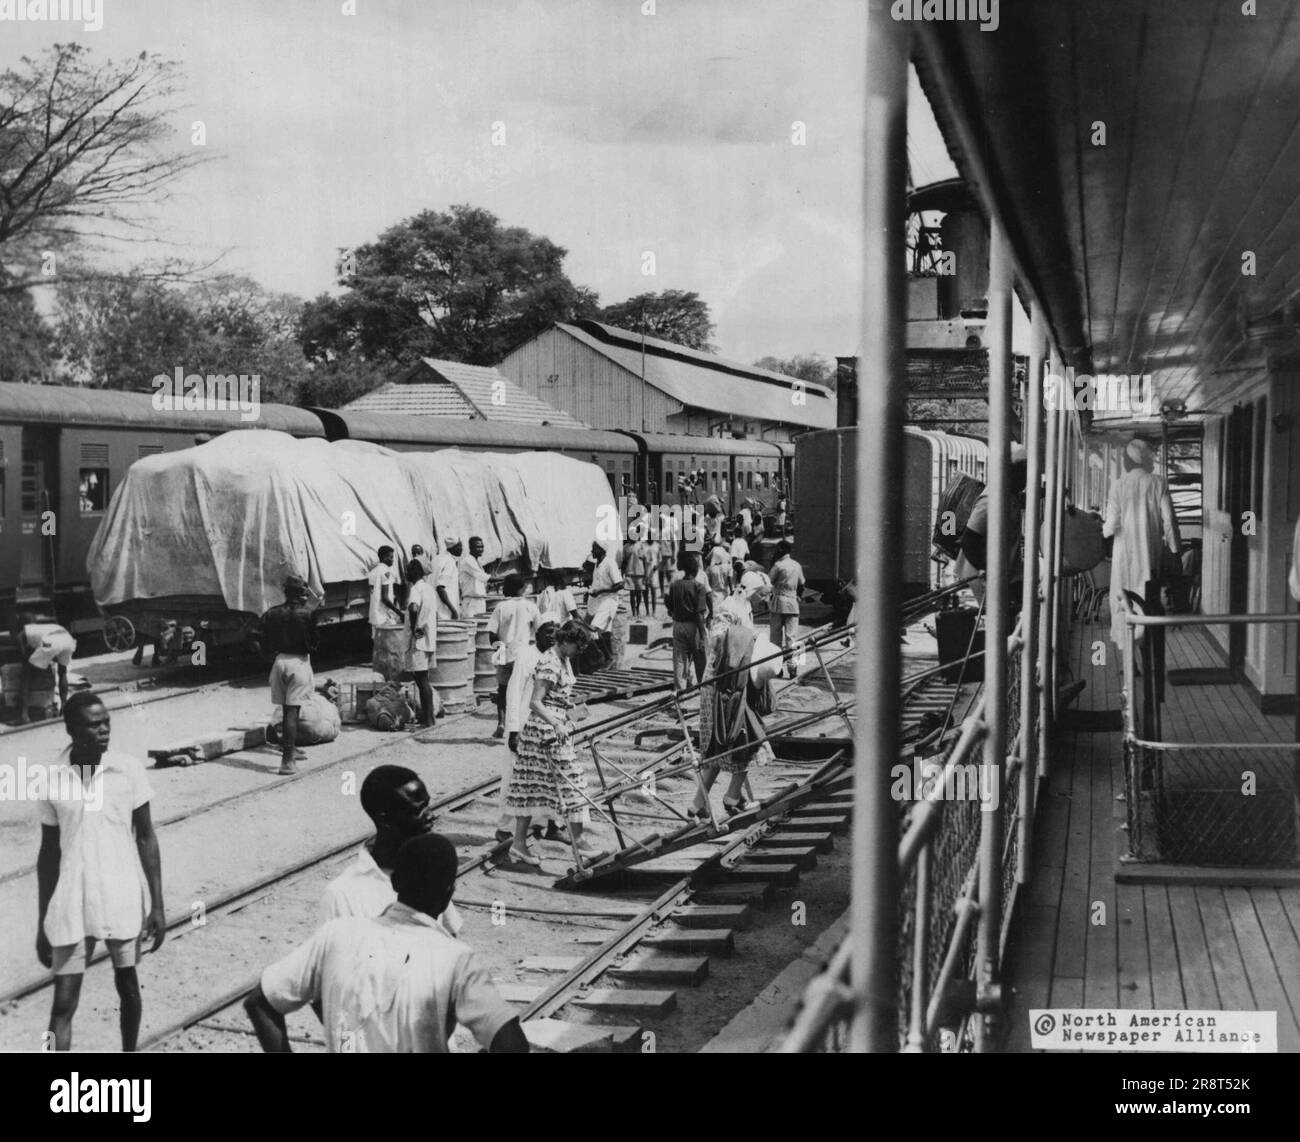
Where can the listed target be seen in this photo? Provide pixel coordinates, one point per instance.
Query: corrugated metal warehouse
(595, 372)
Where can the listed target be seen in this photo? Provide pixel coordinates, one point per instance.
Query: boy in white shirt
(98, 873)
(511, 627)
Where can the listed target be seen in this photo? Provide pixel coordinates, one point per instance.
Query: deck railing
(939, 875)
(1224, 803)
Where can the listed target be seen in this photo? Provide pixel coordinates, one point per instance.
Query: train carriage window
(148, 450)
(93, 487)
(31, 482)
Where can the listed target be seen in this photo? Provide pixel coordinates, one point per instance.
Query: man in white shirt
(421, 655)
(556, 601)
(398, 982)
(387, 623)
(606, 583)
(98, 873)
(473, 580)
(511, 627)
(445, 580)
(396, 800)
(739, 548)
(43, 646)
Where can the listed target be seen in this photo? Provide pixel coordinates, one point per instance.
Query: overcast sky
(624, 133)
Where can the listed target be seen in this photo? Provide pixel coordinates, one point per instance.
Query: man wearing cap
(289, 633)
(1140, 515)
(398, 982)
(473, 581)
(387, 621)
(606, 585)
(445, 578)
(43, 646)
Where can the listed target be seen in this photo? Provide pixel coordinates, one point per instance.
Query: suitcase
(953, 632)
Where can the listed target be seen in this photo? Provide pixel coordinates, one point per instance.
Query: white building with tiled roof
(612, 380)
(465, 392)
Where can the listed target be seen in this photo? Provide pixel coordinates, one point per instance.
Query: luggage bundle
(955, 506)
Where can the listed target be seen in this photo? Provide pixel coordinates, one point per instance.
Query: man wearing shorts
(289, 633)
(422, 656)
(98, 873)
(43, 646)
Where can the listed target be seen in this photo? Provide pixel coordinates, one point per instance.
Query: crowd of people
(387, 970)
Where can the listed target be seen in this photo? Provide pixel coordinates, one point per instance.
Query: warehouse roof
(702, 380)
(469, 392)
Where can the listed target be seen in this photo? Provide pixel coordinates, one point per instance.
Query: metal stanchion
(988, 997)
(874, 914)
(1028, 696)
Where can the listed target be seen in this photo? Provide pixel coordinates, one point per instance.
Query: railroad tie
(627, 1000)
(821, 808)
(819, 842)
(782, 875)
(654, 967)
(735, 892)
(713, 916)
(803, 857)
(561, 1037)
(556, 1037)
(816, 824)
(710, 941)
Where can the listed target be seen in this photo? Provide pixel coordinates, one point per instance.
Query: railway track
(586, 992)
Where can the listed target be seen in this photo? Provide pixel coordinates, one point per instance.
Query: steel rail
(245, 893)
(595, 963)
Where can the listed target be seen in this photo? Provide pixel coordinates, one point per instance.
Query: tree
(457, 285)
(120, 333)
(803, 366)
(80, 150)
(674, 315)
(26, 342)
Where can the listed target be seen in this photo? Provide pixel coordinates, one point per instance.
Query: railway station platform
(1194, 942)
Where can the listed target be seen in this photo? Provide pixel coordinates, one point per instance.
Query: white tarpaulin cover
(234, 516)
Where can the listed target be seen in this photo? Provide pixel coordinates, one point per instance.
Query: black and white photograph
(651, 527)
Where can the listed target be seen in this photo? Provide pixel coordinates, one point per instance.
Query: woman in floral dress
(547, 773)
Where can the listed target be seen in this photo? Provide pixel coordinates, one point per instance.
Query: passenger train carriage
(826, 502)
(64, 451)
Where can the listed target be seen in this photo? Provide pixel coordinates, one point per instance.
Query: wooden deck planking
(1173, 947)
(1133, 966)
(1101, 955)
(1283, 941)
(1262, 974)
(1194, 968)
(1166, 982)
(1225, 953)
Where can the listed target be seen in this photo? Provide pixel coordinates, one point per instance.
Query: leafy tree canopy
(674, 315)
(456, 285)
